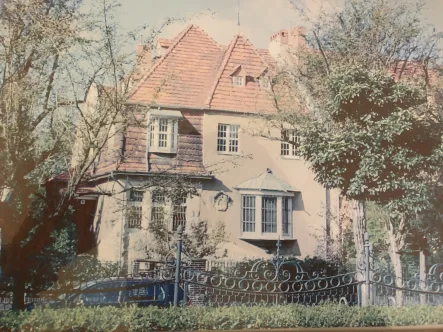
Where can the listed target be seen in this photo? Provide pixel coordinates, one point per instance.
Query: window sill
(264, 236)
(291, 157)
(228, 153)
(166, 151)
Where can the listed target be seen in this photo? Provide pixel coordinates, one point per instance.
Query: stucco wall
(256, 155)
(116, 242)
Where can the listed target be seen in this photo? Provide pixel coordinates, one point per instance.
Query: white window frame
(258, 232)
(248, 217)
(238, 80)
(168, 120)
(289, 150)
(286, 216)
(271, 225)
(231, 139)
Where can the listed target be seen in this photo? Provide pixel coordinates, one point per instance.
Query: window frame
(286, 222)
(169, 211)
(227, 139)
(259, 232)
(272, 212)
(155, 134)
(248, 226)
(134, 205)
(289, 137)
(238, 81)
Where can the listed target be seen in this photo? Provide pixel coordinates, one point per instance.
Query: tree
(369, 128)
(51, 54)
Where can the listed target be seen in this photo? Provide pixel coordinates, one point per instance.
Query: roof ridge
(222, 68)
(162, 59)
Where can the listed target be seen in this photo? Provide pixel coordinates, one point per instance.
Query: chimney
(284, 41)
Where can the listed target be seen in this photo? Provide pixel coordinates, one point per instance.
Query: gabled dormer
(239, 76)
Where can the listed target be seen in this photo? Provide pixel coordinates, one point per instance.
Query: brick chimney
(287, 40)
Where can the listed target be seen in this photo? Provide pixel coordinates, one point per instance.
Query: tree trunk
(359, 228)
(18, 298)
(396, 237)
(398, 272)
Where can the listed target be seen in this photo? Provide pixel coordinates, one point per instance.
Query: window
(134, 211)
(287, 215)
(238, 80)
(158, 208)
(151, 132)
(228, 138)
(163, 134)
(269, 214)
(179, 213)
(264, 83)
(291, 146)
(248, 213)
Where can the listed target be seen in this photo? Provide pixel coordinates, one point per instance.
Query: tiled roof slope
(196, 72)
(250, 98)
(183, 76)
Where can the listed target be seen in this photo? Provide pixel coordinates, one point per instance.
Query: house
(205, 104)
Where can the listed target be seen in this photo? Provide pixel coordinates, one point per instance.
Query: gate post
(422, 277)
(178, 263)
(366, 288)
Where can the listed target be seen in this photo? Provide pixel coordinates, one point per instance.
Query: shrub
(209, 318)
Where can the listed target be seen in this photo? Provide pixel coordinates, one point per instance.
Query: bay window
(248, 213)
(269, 214)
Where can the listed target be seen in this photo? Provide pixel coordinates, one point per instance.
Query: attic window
(238, 80)
(163, 131)
(264, 83)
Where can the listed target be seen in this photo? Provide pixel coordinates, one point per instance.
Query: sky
(259, 19)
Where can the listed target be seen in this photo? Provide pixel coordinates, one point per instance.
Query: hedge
(210, 318)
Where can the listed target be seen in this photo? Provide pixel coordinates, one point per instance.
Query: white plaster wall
(231, 170)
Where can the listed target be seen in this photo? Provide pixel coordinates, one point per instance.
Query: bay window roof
(266, 182)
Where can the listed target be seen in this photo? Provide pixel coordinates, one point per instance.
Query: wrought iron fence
(268, 282)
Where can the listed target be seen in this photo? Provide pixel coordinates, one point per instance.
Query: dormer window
(238, 80)
(163, 131)
(264, 83)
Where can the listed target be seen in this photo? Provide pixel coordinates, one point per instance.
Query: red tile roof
(195, 72)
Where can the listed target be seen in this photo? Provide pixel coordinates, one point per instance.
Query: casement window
(179, 214)
(228, 138)
(248, 213)
(163, 131)
(238, 80)
(291, 145)
(286, 215)
(171, 213)
(134, 211)
(158, 208)
(269, 214)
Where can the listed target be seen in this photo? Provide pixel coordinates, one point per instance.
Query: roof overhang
(149, 174)
(165, 113)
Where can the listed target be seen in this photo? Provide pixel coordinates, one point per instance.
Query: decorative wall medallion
(221, 201)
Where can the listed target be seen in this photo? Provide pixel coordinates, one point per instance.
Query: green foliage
(209, 318)
(198, 240)
(373, 145)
